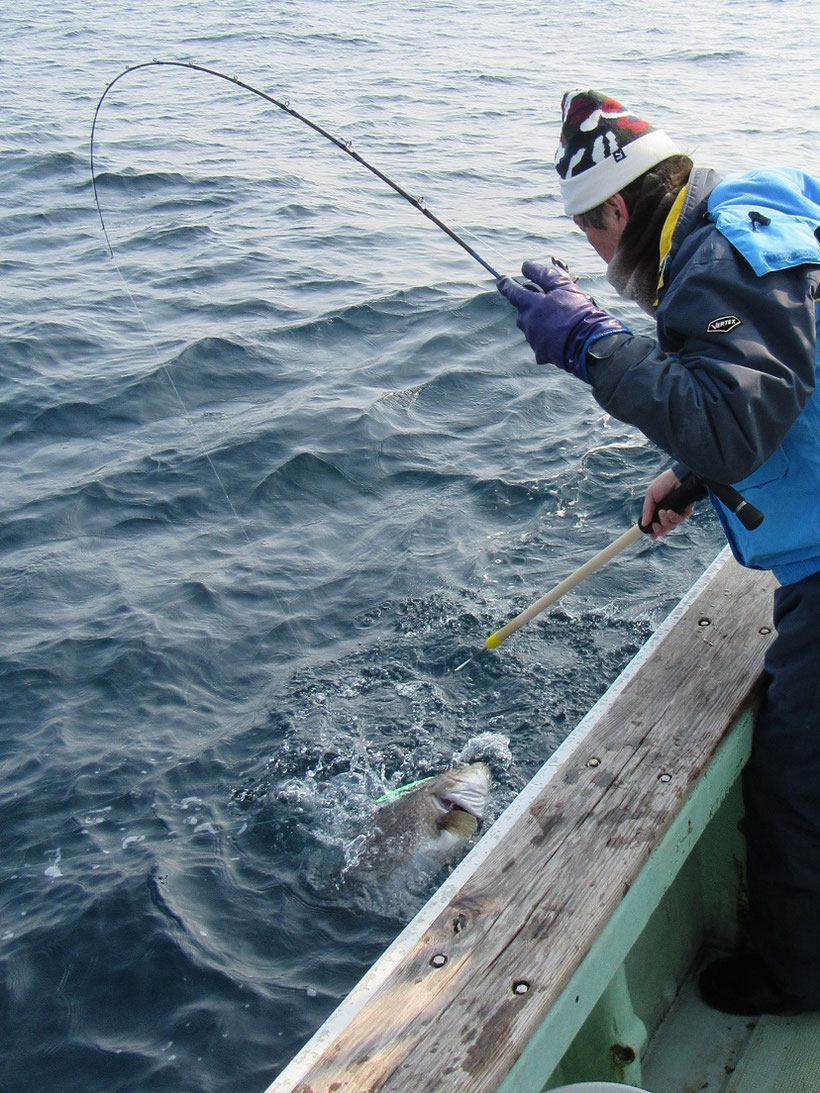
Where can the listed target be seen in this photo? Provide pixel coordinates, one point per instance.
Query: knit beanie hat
(603, 148)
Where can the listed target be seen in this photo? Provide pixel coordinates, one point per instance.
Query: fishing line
(341, 144)
(285, 106)
(345, 145)
(179, 398)
(162, 364)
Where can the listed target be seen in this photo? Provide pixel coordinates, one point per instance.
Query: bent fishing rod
(345, 145)
(679, 499)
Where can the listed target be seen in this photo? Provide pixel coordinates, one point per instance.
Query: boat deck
(696, 1051)
(554, 951)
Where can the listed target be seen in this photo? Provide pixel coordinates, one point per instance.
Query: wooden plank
(614, 943)
(463, 1000)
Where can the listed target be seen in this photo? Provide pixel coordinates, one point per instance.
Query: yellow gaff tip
(493, 641)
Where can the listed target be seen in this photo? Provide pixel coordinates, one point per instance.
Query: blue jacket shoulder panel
(771, 216)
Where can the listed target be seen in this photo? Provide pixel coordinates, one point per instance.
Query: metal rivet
(521, 986)
(664, 777)
(438, 960)
(594, 762)
(704, 621)
(765, 630)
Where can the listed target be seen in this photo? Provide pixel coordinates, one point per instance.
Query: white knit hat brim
(597, 183)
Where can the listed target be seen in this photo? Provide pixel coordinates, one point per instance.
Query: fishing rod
(345, 145)
(678, 499)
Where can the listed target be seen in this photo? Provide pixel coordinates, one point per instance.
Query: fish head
(417, 829)
(461, 794)
(432, 817)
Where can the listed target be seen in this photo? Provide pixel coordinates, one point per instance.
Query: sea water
(275, 468)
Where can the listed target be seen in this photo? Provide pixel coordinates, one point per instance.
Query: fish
(430, 819)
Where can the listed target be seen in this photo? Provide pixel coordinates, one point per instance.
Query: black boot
(743, 985)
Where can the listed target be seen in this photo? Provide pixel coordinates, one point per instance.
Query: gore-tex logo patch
(723, 325)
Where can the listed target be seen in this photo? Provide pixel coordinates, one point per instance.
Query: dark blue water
(272, 474)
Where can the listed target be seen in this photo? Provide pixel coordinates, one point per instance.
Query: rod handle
(693, 488)
(748, 515)
(689, 490)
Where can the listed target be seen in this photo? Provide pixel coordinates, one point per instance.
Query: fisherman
(729, 268)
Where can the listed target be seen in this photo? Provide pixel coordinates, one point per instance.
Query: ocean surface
(270, 472)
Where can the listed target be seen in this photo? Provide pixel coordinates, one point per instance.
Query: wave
(302, 477)
(48, 164)
(209, 371)
(180, 235)
(132, 181)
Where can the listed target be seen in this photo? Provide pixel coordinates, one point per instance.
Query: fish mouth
(465, 790)
(455, 803)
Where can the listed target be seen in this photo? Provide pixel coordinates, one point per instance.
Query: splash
(492, 747)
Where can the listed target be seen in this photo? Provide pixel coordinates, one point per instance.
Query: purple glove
(561, 321)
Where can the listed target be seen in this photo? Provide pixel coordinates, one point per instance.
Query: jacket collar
(702, 181)
(689, 209)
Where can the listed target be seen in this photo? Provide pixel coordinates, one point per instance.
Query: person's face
(605, 239)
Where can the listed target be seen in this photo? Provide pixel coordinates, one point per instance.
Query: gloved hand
(561, 321)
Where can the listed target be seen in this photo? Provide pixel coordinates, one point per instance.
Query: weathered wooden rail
(455, 1002)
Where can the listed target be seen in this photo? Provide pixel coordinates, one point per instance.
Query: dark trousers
(781, 787)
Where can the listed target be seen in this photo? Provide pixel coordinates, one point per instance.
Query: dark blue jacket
(728, 387)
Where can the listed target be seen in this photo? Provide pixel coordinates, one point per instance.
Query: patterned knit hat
(603, 148)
